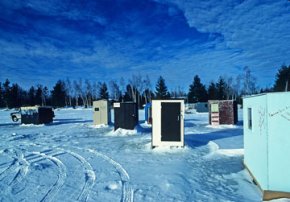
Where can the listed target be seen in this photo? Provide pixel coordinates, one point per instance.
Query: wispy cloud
(42, 41)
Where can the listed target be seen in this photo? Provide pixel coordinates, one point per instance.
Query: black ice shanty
(36, 115)
(125, 115)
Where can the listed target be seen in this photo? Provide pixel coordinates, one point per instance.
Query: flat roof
(168, 99)
(262, 94)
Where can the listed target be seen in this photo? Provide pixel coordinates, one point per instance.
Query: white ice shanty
(168, 122)
(101, 114)
(267, 142)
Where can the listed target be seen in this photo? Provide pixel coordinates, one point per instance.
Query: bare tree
(249, 82)
(98, 87)
(78, 85)
(115, 90)
(229, 89)
(148, 89)
(69, 91)
(95, 91)
(237, 86)
(122, 86)
(88, 93)
(44, 95)
(137, 87)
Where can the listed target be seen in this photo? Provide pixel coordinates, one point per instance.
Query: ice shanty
(267, 142)
(167, 123)
(101, 114)
(201, 107)
(223, 112)
(125, 115)
(36, 115)
(148, 113)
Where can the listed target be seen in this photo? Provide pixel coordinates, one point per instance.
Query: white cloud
(258, 30)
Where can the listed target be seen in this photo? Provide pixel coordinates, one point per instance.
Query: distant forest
(67, 93)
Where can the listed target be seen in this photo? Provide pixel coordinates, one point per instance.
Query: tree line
(137, 89)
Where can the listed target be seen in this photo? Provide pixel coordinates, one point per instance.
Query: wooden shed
(102, 113)
(267, 142)
(36, 115)
(168, 122)
(223, 112)
(125, 115)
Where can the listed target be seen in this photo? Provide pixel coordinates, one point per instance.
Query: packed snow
(73, 160)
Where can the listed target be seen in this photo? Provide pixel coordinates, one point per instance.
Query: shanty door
(170, 121)
(215, 114)
(130, 112)
(103, 113)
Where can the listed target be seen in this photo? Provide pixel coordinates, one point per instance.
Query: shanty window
(250, 118)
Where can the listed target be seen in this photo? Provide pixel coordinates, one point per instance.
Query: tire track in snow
(18, 163)
(12, 164)
(89, 178)
(61, 176)
(22, 171)
(89, 174)
(34, 158)
(127, 191)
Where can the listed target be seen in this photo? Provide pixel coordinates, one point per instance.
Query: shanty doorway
(170, 121)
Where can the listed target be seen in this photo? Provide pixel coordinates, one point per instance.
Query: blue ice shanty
(148, 113)
(267, 142)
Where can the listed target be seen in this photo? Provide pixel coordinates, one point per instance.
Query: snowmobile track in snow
(90, 176)
(127, 191)
(22, 171)
(20, 164)
(89, 172)
(61, 176)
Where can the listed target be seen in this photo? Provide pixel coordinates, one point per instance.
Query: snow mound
(215, 151)
(223, 126)
(168, 149)
(280, 200)
(231, 152)
(123, 132)
(99, 126)
(213, 147)
(32, 125)
(113, 185)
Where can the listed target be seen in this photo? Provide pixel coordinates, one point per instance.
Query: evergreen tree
(103, 91)
(6, 93)
(282, 82)
(197, 91)
(161, 89)
(221, 89)
(16, 96)
(58, 94)
(1, 96)
(31, 96)
(38, 95)
(212, 91)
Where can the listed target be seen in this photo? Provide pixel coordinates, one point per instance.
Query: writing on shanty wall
(284, 113)
(262, 116)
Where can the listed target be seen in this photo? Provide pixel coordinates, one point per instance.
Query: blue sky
(102, 40)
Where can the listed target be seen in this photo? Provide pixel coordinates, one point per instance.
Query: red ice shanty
(222, 112)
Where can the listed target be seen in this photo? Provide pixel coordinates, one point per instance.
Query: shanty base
(267, 194)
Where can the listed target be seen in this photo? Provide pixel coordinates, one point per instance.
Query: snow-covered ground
(71, 160)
